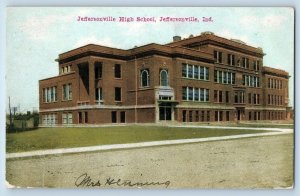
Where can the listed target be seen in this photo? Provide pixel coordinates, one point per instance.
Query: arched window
(145, 78)
(164, 78)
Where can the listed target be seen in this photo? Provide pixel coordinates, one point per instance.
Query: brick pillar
(91, 81)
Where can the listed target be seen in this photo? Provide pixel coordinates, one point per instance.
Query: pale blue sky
(35, 37)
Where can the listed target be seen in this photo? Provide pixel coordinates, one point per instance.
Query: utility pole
(10, 117)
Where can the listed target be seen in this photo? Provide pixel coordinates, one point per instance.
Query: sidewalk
(277, 131)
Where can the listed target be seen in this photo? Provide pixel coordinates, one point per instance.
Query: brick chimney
(176, 38)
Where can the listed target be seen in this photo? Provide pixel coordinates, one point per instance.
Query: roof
(275, 72)
(136, 52)
(211, 38)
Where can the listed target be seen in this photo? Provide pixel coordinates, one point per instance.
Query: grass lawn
(63, 137)
(256, 125)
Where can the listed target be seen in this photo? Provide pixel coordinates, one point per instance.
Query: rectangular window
(227, 96)
(244, 62)
(118, 94)
(190, 71)
(122, 116)
(118, 71)
(86, 118)
(280, 84)
(197, 116)
(224, 77)
(196, 94)
(256, 65)
(230, 77)
(220, 77)
(184, 70)
(196, 72)
(54, 93)
(206, 95)
(218, 56)
(227, 115)
(229, 59)
(202, 97)
(208, 115)
(44, 119)
(202, 116)
(258, 98)
(45, 95)
(201, 73)
(215, 96)
(183, 115)
(225, 81)
(242, 97)
(220, 96)
(254, 99)
(220, 60)
(99, 96)
(221, 116)
(216, 116)
(113, 116)
(70, 118)
(216, 76)
(190, 116)
(190, 94)
(49, 95)
(249, 98)
(249, 118)
(236, 97)
(233, 78)
(98, 70)
(64, 119)
(184, 93)
(271, 83)
(206, 73)
(67, 92)
(79, 117)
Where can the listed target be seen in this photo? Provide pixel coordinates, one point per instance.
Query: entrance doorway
(165, 111)
(240, 113)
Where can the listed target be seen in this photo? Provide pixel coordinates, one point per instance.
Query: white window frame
(167, 74)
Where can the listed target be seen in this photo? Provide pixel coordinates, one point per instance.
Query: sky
(36, 36)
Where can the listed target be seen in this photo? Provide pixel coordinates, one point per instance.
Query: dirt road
(260, 162)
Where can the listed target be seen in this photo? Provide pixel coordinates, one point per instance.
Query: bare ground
(260, 162)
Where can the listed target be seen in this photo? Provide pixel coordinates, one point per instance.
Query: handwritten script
(85, 180)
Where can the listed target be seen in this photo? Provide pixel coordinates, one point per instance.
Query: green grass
(257, 125)
(51, 138)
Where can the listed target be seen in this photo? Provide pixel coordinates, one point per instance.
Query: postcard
(150, 97)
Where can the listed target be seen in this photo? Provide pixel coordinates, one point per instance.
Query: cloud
(266, 23)
(133, 27)
(39, 27)
(93, 40)
(273, 21)
(226, 33)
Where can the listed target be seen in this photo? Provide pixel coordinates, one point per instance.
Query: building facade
(199, 79)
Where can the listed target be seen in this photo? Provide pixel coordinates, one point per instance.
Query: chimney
(176, 38)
